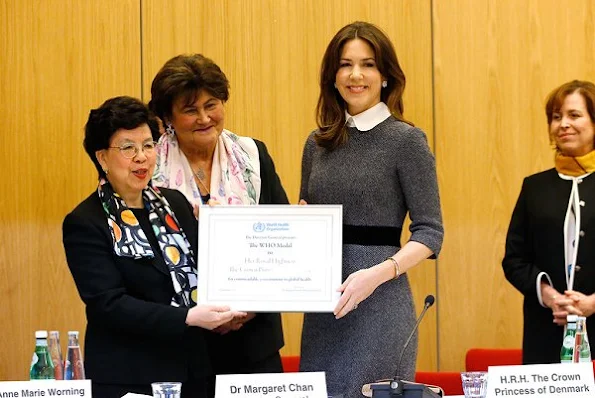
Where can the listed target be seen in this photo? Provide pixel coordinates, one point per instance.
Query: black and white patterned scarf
(130, 239)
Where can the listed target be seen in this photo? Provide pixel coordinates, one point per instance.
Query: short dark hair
(330, 110)
(185, 76)
(114, 114)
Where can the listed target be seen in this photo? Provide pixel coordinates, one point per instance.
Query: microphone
(395, 387)
(428, 302)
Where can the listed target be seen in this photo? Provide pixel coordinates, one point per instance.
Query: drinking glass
(475, 384)
(167, 389)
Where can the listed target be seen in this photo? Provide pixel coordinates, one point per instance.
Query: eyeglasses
(130, 150)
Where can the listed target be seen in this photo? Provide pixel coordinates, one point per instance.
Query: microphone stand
(396, 385)
(395, 388)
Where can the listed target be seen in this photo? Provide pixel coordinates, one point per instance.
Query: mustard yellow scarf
(575, 166)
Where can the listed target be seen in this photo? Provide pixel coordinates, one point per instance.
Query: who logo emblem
(259, 227)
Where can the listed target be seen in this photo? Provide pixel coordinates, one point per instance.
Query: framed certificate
(270, 258)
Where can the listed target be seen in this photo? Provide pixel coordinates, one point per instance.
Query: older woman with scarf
(131, 248)
(206, 162)
(550, 255)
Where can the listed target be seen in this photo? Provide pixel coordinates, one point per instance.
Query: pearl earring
(335, 84)
(384, 84)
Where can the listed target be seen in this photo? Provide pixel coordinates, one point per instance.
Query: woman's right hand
(210, 316)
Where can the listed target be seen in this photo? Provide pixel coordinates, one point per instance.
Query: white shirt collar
(369, 118)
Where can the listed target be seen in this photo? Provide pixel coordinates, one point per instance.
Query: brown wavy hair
(330, 110)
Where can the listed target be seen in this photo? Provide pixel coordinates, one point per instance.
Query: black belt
(371, 236)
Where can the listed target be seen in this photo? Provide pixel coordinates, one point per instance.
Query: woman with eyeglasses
(131, 249)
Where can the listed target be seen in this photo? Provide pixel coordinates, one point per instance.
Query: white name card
(553, 380)
(277, 385)
(45, 388)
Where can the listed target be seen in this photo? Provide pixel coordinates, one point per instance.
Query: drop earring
(335, 85)
(169, 129)
(384, 84)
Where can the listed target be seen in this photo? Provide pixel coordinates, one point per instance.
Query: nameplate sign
(45, 388)
(553, 380)
(275, 385)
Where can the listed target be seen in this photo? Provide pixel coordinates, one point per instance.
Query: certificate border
(272, 304)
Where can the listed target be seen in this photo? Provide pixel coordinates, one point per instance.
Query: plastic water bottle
(56, 354)
(74, 369)
(567, 350)
(582, 352)
(41, 364)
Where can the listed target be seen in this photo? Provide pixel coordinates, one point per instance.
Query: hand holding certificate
(270, 258)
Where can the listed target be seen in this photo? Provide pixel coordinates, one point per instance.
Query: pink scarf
(235, 173)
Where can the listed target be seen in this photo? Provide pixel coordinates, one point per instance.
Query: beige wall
(494, 64)
(477, 74)
(58, 60)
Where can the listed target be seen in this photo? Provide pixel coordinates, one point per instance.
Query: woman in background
(379, 167)
(131, 249)
(550, 255)
(206, 162)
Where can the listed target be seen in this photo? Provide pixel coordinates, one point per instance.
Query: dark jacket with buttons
(134, 336)
(535, 243)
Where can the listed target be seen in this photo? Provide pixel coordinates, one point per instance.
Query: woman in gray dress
(366, 157)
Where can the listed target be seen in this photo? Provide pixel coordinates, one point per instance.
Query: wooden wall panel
(271, 52)
(58, 59)
(495, 62)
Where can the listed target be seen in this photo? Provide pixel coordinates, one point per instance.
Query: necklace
(200, 175)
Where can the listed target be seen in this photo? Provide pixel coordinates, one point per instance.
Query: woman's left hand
(357, 287)
(584, 303)
(235, 324)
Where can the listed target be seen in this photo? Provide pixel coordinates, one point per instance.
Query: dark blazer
(133, 334)
(535, 243)
(262, 336)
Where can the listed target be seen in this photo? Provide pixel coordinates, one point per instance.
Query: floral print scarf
(235, 174)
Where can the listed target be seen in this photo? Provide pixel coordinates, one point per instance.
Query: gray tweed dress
(378, 176)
